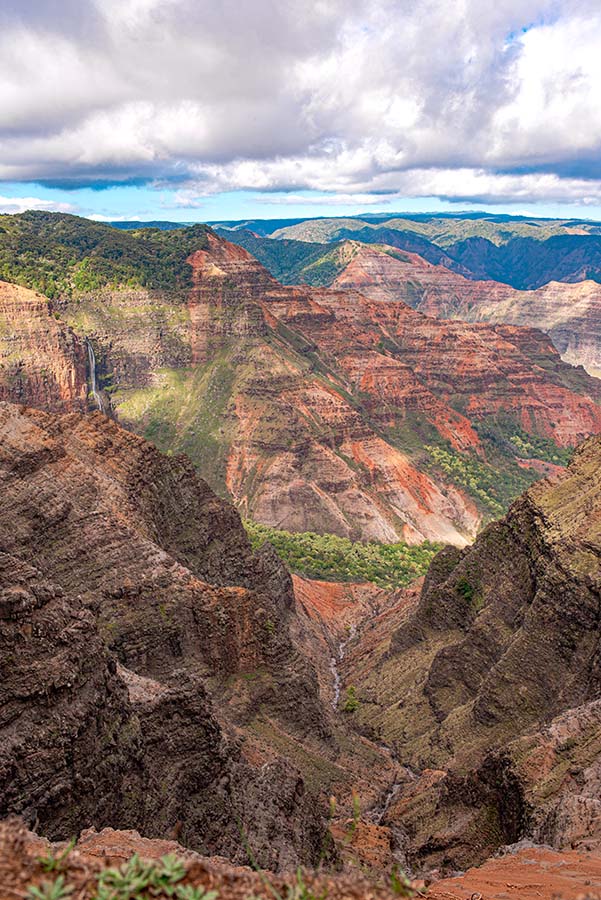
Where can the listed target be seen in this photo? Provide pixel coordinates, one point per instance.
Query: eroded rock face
(42, 362)
(569, 313)
(371, 364)
(111, 553)
(67, 733)
(311, 408)
(490, 688)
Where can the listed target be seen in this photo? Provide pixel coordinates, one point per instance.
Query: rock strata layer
(313, 409)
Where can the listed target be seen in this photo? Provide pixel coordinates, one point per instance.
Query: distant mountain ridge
(525, 253)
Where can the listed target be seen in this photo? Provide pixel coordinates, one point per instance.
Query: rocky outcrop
(42, 362)
(21, 852)
(124, 582)
(569, 313)
(490, 689)
(527, 873)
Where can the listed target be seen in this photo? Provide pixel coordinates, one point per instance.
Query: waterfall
(334, 665)
(92, 362)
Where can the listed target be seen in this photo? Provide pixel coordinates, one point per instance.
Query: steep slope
(320, 231)
(569, 313)
(111, 552)
(490, 687)
(526, 263)
(42, 362)
(290, 261)
(313, 409)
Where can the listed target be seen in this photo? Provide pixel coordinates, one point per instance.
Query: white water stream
(92, 362)
(334, 660)
(405, 774)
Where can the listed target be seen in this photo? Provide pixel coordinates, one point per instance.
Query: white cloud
(350, 97)
(288, 199)
(22, 204)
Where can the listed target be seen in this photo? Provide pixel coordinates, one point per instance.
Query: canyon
(156, 673)
(520, 251)
(569, 313)
(159, 675)
(166, 688)
(486, 683)
(313, 409)
(544, 274)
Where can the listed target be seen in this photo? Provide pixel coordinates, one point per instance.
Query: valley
(312, 409)
(266, 591)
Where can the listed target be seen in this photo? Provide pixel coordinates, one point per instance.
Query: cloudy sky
(192, 110)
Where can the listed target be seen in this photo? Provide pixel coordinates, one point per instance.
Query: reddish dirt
(20, 868)
(535, 874)
(337, 604)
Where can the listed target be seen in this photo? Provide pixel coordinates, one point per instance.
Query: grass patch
(134, 880)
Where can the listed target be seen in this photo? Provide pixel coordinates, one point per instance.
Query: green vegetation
(465, 589)
(187, 412)
(55, 862)
(63, 255)
(134, 880)
(441, 230)
(351, 701)
(401, 885)
(529, 446)
(291, 262)
(494, 485)
(300, 890)
(137, 879)
(50, 890)
(334, 558)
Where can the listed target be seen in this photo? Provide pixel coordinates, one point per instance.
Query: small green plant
(50, 890)
(351, 703)
(400, 884)
(55, 862)
(269, 626)
(137, 880)
(465, 589)
(355, 820)
(301, 891)
(188, 892)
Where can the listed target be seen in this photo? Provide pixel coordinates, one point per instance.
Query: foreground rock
(20, 869)
(123, 582)
(527, 874)
(530, 874)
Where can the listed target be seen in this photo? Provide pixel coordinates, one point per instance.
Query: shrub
(351, 701)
